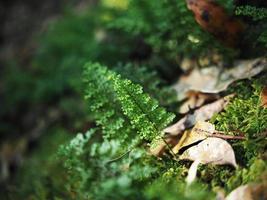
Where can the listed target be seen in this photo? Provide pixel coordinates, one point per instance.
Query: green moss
(245, 114)
(177, 189)
(103, 164)
(256, 172)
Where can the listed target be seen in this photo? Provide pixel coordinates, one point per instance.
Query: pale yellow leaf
(202, 114)
(192, 172)
(212, 150)
(199, 132)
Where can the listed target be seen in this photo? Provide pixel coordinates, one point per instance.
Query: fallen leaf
(249, 192)
(188, 64)
(199, 132)
(213, 18)
(213, 80)
(158, 145)
(192, 172)
(195, 100)
(212, 150)
(264, 97)
(202, 114)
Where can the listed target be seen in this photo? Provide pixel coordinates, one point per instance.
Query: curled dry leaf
(192, 172)
(196, 99)
(249, 192)
(212, 150)
(213, 80)
(158, 145)
(199, 132)
(202, 114)
(264, 97)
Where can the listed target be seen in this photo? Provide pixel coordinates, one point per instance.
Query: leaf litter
(249, 192)
(211, 150)
(202, 114)
(213, 80)
(263, 97)
(199, 132)
(203, 85)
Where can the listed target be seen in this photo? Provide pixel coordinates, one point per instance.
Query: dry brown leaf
(199, 132)
(213, 80)
(213, 18)
(212, 150)
(202, 114)
(196, 99)
(158, 146)
(249, 192)
(188, 64)
(264, 97)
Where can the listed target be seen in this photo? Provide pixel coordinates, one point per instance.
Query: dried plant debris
(213, 80)
(249, 192)
(264, 97)
(192, 172)
(212, 150)
(214, 19)
(199, 132)
(196, 99)
(158, 145)
(202, 114)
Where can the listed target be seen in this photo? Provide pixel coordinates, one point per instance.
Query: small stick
(228, 137)
(170, 149)
(119, 157)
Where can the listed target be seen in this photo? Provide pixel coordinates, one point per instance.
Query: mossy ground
(152, 37)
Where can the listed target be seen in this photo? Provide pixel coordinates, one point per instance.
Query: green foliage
(104, 107)
(263, 37)
(41, 176)
(244, 114)
(151, 82)
(253, 12)
(259, 29)
(105, 91)
(144, 113)
(247, 115)
(109, 161)
(256, 172)
(176, 189)
(93, 174)
(168, 26)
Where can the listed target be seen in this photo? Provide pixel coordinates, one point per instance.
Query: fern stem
(119, 157)
(170, 149)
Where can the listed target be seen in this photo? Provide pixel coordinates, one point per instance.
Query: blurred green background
(44, 46)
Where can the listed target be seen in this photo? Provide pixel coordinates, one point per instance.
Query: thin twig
(168, 146)
(227, 137)
(119, 157)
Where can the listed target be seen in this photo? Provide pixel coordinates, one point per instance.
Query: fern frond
(104, 107)
(253, 12)
(144, 112)
(120, 107)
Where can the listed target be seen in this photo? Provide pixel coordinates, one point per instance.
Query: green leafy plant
(123, 112)
(106, 91)
(253, 12)
(143, 111)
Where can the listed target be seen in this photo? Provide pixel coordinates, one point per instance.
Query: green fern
(253, 12)
(168, 27)
(143, 111)
(111, 98)
(104, 107)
